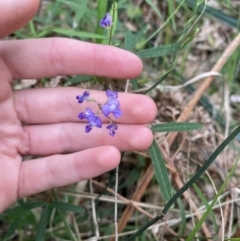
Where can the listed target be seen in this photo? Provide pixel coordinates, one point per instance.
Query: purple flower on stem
(112, 94)
(112, 129)
(106, 21)
(82, 97)
(92, 118)
(112, 106)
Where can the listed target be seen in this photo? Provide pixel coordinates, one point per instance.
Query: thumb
(15, 13)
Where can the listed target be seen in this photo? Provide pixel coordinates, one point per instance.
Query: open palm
(43, 122)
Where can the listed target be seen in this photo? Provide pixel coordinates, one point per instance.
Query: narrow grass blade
(160, 171)
(79, 13)
(77, 79)
(66, 207)
(165, 23)
(171, 6)
(80, 34)
(178, 46)
(63, 217)
(216, 14)
(205, 202)
(183, 224)
(154, 7)
(202, 169)
(161, 78)
(42, 225)
(175, 126)
(32, 29)
(134, 83)
(45, 32)
(114, 14)
(216, 115)
(209, 209)
(196, 176)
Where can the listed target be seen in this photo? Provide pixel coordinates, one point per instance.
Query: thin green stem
(113, 19)
(101, 10)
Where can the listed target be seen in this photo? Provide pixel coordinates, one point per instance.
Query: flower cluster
(106, 21)
(112, 106)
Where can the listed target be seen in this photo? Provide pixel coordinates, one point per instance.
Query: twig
(94, 212)
(116, 204)
(120, 197)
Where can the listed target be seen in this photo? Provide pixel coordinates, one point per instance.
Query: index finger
(38, 58)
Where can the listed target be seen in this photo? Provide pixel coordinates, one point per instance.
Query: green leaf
(42, 225)
(3, 218)
(157, 52)
(12, 228)
(80, 34)
(80, 13)
(32, 205)
(77, 79)
(134, 83)
(175, 126)
(129, 42)
(131, 39)
(66, 207)
(25, 206)
(160, 171)
(114, 14)
(139, 36)
(71, 4)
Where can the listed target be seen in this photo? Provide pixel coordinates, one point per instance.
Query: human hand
(44, 121)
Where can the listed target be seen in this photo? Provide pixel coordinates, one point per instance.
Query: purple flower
(85, 114)
(83, 97)
(112, 106)
(106, 21)
(112, 128)
(112, 94)
(92, 118)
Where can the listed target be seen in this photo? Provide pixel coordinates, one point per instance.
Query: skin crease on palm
(44, 121)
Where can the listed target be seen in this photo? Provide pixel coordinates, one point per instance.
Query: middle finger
(54, 105)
